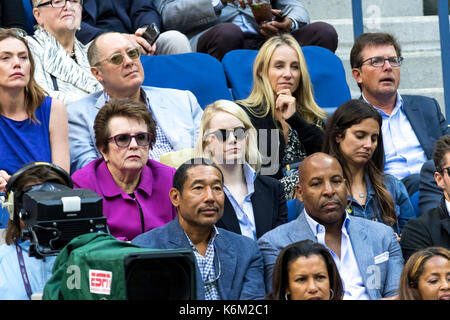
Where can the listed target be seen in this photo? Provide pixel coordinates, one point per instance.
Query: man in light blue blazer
(229, 265)
(367, 253)
(116, 66)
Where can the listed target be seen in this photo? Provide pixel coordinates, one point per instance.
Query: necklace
(361, 195)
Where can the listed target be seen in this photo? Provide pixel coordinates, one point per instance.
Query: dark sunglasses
(123, 140)
(223, 134)
(117, 58)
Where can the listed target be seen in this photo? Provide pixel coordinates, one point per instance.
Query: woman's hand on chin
(284, 104)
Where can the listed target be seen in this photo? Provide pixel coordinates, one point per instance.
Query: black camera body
(53, 218)
(51, 213)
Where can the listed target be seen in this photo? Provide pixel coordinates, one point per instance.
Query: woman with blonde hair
(426, 275)
(282, 107)
(254, 204)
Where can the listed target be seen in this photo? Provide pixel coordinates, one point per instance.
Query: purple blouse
(128, 217)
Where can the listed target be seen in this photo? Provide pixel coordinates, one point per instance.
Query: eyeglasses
(123, 140)
(60, 3)
(224, 134)
(379, 62)
(446, 169)
(117, 59)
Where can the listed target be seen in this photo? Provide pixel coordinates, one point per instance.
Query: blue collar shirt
(206, 266)
(244, 211)
(347, 264)
(39, 271)
(370, 209)
(403, 153)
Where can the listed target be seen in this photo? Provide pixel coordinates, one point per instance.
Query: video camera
(52, 213)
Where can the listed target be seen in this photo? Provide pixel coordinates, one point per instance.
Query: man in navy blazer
(229, 266)
(128, 16)
(367, 253)
(411, 124)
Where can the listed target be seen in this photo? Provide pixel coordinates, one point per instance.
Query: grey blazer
(193, 17)
(241, 263)
(370, 240)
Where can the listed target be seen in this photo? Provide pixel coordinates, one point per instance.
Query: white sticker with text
(100, 281)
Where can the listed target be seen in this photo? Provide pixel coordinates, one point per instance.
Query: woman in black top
(281, 106)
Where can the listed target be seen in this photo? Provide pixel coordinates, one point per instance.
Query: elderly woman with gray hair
(62, 67)
(135, 189)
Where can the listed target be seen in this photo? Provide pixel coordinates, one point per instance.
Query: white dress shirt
(347, 265)
(244, 211)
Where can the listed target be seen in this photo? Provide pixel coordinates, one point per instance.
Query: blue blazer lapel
(225, 253)
(90, 8)
(300, 226)
(363, 253)
(177, 239)
(415, 117)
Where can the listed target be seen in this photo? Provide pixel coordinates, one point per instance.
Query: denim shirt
(39, 271)
(403, 207)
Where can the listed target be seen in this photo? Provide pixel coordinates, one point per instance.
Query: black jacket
(430, 229)
(269, 207)
(310, 135)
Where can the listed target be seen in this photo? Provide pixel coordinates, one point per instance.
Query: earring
(331, 294)
(286, 297)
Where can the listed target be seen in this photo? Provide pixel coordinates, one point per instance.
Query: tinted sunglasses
(223, 134)
(117, 58)
(123, 140)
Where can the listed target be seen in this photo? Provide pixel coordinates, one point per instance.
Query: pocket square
(382, 257)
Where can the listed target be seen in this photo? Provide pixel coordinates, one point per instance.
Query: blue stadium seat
(4, 215)
(199, 73)
(31, 21)
(325, 68)
(327, 76)
(238, 66)
(292, 208)
(414, 198)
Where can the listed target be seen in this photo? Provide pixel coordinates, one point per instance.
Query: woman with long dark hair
(353, 136)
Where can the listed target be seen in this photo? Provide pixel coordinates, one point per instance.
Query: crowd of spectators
(72, 94)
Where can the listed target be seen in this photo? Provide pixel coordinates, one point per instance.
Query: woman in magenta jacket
(135, 189)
